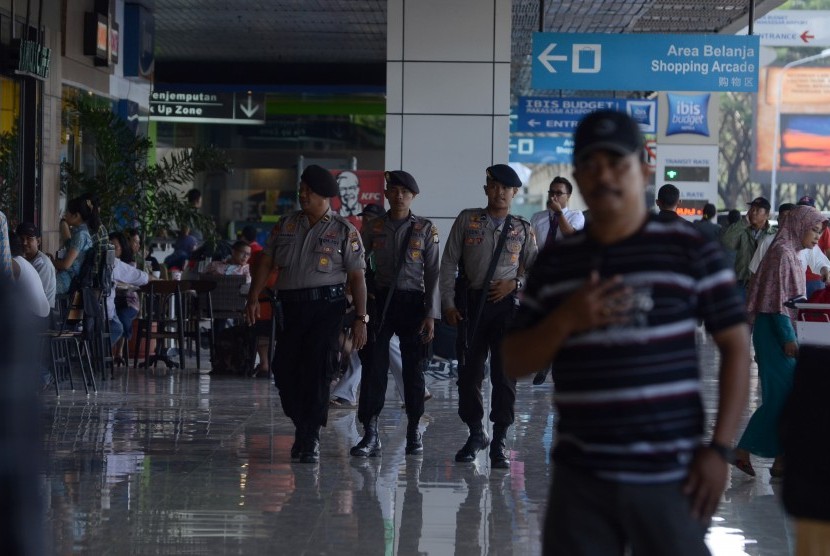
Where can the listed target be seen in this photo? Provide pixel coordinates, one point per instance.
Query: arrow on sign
(533, 123)
(806, 36)
(250, 110)
(546, 58)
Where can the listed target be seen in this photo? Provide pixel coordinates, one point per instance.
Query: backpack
(96, 270)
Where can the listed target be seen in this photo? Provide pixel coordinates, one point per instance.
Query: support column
(448, 98)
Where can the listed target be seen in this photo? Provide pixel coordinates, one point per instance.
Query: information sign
(540, 114)
(201, 107)
(645, 62)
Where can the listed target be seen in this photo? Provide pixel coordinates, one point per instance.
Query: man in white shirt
(30, 236)
(557, 220)
(29, 286)
(554, 223)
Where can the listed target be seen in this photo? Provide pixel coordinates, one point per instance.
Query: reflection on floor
(185, 463)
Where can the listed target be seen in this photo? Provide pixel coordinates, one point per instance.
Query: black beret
(504, 174)
(320, 181)
(399, 177)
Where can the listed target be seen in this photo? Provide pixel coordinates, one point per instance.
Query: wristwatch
(519, 284)
(362, 318)
(725, 452)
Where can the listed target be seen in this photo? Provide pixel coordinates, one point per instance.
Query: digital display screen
(687, 173)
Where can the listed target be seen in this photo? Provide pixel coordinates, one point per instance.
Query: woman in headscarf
(780, 278)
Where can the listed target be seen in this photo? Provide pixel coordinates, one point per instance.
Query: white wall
(448, 99)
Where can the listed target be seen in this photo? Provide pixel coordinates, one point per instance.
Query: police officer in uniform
(470, 248)
(316, 252)
(405, 251)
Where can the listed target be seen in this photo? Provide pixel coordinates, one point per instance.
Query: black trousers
(404, 317)
(305, 358)
(488, 337)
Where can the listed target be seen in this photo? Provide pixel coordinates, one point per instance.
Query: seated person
(30, 236)
(122, 303)
(182, 249)
(29, 286)
(80, 217)
(236, 264)
(249, 236)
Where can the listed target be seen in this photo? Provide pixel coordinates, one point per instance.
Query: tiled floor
(185, 463)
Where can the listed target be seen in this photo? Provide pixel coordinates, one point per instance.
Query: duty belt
(403, 295)
(328, 293)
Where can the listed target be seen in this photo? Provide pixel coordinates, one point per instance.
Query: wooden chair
(198, 309)
(162, 317)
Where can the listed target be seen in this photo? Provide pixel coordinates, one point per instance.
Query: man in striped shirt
(615, 307)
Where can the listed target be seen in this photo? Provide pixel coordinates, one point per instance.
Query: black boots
(414, 442)
(478, 440)
(498, 448)
(310, 446)
(369, 445)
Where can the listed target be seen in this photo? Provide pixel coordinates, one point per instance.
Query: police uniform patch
(331, 234)
(473, 240)
(514, 246)
(434, 234)
(324, 262)
(418, 226)
(415, 254)
(355, 246)
(352, 235)
(327, 249)
(416, 244)
(474, 225)
(514, 258)
(291, 227)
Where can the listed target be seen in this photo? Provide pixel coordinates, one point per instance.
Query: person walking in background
(553, 224)
(491, 250)
(780, 278)
(668, 199)
(315, 251)
(708, 225)
(743, 239)
(405, 251)
(616, 309)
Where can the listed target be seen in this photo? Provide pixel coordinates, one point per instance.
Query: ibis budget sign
(645, 62)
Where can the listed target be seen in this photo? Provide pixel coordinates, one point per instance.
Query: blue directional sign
(545, 115)
(645, 62)
(541, 150)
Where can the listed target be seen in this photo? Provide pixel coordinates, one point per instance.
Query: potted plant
(131, 190)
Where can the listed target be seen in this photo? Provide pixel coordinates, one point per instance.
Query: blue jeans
(126, 315)
(116, 331)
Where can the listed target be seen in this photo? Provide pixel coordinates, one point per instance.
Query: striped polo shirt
(628, 396)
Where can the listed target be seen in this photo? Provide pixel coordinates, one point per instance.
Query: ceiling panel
(354, 31)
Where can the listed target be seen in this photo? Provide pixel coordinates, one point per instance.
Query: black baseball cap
(807, 201)
(504, 174)
(607, 130)
(27, 229)
(399, 177)
(320, 181)
(761, 202)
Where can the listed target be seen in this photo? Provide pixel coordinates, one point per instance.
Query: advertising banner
(804, 125)
(358, 188)
(541, 114)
